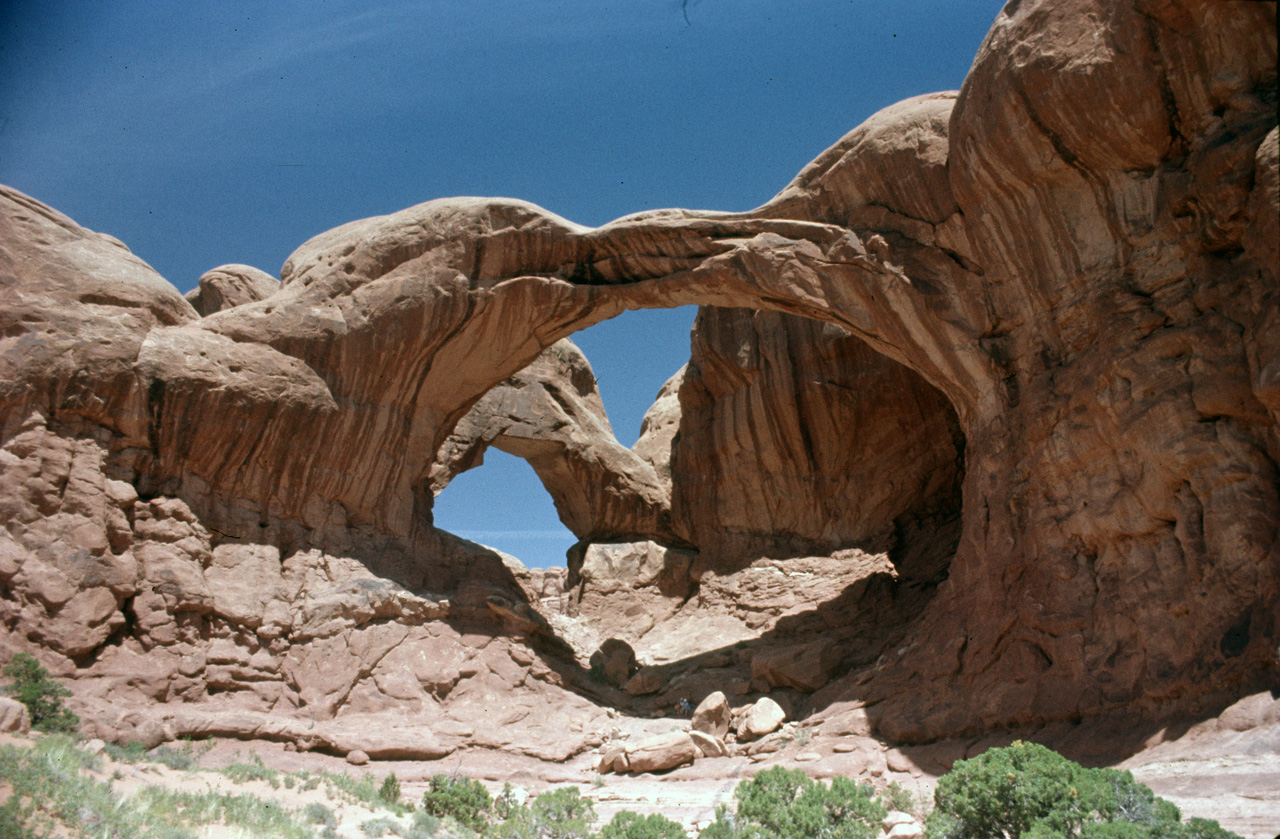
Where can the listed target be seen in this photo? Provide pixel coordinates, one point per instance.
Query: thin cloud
(480, 535)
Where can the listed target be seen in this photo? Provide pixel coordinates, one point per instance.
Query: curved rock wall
(1123, 506)
(228, 286)
(796, 438)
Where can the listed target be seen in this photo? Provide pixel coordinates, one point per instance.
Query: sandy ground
(1233, 777)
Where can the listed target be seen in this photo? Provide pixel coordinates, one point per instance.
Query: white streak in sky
(481, 535)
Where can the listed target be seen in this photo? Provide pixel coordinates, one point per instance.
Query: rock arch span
(1079, 250)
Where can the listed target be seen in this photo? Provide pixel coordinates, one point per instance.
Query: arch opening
(502, 504)
(551, 414)
(782, 438)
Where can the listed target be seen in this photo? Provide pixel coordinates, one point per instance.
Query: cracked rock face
(1069, 268)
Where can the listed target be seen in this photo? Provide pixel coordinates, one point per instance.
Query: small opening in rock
(1236, 639)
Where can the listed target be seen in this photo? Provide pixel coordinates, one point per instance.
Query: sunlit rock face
(228, 286)
(1071, 262)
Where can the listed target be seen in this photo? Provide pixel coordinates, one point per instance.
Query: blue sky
(202, 133)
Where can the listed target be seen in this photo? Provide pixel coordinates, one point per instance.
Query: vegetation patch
(42, 695)
(788, 804)
(1027, 790)
(1023, 791)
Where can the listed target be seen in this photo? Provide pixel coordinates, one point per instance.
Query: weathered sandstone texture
(1070, 268)
(795, 437)
(230, 285)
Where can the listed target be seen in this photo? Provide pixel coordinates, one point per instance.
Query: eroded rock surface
(231, 285)
(795, 437)
(1074, 258)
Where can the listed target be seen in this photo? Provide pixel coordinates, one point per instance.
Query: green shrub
(363, 790)
(182, 758)
(173, 758)
(564, 811)
(629, 825)
(317, 813)
(507, 802)
(51, 797)
(378, 827)
(389, 792)
(787, 804)
(1004, 792)
(465, 800)
(559, 814)
(424, 826)
(49, 793)
(1027, 790)
(246, 813)
(897, 797)
(131, 752)
(42, 695)
(254, 770)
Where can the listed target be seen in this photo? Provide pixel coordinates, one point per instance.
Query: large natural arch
(1078, 250)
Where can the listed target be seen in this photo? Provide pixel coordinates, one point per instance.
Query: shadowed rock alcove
(782, 439)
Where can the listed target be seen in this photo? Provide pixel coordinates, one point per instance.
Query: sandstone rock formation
(654, 754)
(615, 661)
(764, 717)
(712, 716)
(1070, 264)
(231, 285)
(551, 415)
(796, 438)
(14, 716)
(659, 427)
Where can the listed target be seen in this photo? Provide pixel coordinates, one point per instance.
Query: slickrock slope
(1077, 252)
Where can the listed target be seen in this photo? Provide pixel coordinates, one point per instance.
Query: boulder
(764, 717)
(708, 745)
(613, 759)
(665, 751)
(357, 757)
(83, 623)
(767, 745)
(14, 717)
(899, 825)
(713, 715)
(647, 680)
(894, 818)
(615, 661)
